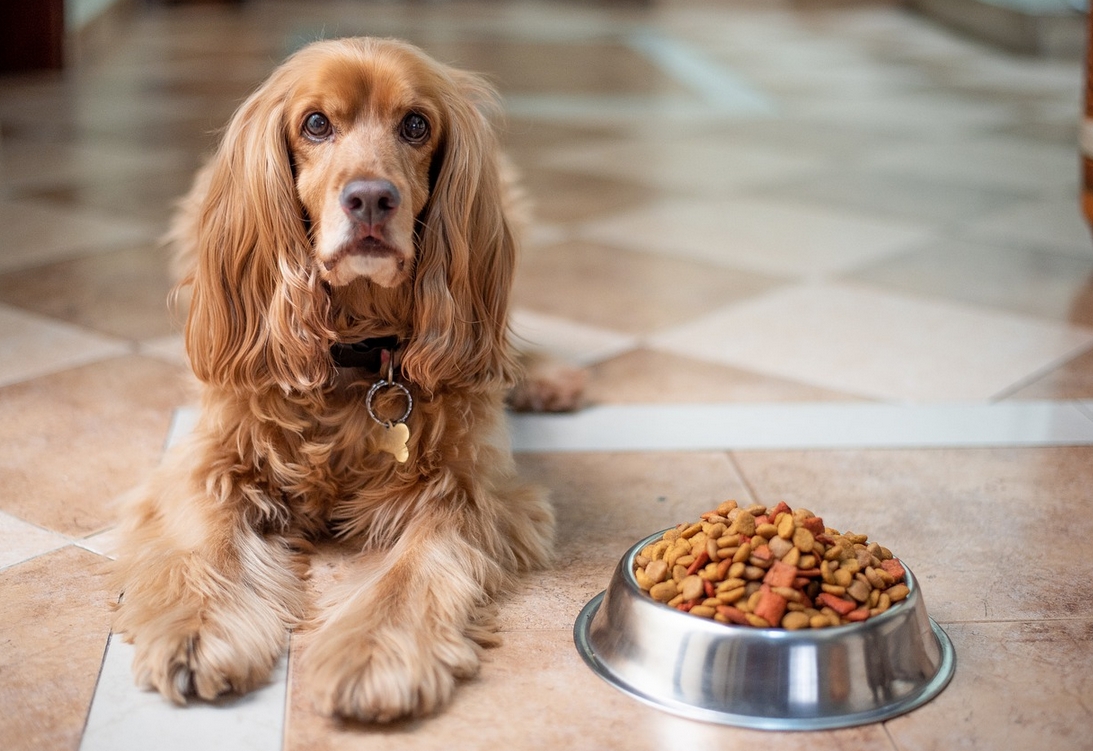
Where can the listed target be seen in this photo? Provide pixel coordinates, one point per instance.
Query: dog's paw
(389, 674)
(226, 653)
(174, 668)
(548, 386)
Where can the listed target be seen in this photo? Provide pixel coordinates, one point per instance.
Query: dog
(352, 251)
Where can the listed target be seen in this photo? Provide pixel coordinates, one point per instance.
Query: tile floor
(822, 252)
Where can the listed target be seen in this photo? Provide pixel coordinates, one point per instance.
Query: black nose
(370, 201)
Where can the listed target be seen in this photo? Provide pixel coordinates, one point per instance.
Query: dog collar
(366, 354)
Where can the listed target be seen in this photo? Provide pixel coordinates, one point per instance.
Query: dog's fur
(210, 562)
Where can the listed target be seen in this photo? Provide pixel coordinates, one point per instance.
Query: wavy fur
(284, 451)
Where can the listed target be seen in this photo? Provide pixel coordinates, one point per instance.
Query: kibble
(770, 568)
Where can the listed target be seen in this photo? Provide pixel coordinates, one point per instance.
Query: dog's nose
(370, 202)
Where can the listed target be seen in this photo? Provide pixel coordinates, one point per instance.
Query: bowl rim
(582, 637)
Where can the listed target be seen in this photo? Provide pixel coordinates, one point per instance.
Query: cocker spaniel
(352, 262)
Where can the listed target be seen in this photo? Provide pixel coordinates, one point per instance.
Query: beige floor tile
(635, 293)
(912, 113)
(645, 376)
(37, 233)
(1046, 124)
(841, 143)
(989, 162)
(951, 516)
(55, 620)
(122, 293)
(1034, 282)
(909, 198)
(884, 346)
(999, 697)
(605, 502)
(529, 141)
(1056, 223)
(103, 543)
(1006, 75)
(522, 66)
(566, 340)
(34, 346)
(149, 198)
(20, 541)
(781, 238)
(170, 348)
(28, 166)
(711, 165)
(846, 75)
(561, 196)
(1072, 380)
(77, 440)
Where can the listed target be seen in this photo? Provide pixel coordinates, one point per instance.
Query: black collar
(367, 354)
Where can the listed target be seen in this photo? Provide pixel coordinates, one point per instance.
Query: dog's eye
(414, 128)
(317, 126)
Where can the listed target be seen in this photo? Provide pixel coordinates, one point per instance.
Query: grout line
(753, 495)
(290, 669)
(1030, 619)
(68, 544)
(98, 677)
(1085, 407)
(888, 734)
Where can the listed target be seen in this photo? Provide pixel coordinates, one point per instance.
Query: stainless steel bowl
(767, 678)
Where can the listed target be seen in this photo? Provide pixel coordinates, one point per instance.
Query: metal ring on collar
(388, 384)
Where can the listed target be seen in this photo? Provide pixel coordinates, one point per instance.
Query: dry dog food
(776, 567)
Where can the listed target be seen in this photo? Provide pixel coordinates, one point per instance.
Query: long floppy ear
(467, 254)
(258, 311)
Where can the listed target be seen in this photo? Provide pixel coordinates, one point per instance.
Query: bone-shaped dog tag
(393, 440)
(395, 433)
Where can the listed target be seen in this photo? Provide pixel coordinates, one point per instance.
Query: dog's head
(360, 165)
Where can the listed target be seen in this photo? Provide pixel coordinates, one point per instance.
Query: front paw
(206, 655)
(388, 674)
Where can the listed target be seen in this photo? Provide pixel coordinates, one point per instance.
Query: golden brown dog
(349, 325)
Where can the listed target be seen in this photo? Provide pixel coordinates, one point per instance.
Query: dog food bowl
(764, 678)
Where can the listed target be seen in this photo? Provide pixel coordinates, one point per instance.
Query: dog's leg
(207, 599)
(397, 639)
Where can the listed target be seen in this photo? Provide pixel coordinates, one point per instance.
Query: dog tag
(396, 433)
(393, 440)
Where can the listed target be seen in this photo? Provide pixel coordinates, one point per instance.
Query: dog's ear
(258, 310)
(467, 252)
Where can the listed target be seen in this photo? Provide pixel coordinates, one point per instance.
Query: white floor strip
(790, 425)
(697, 427)
(125, 718)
